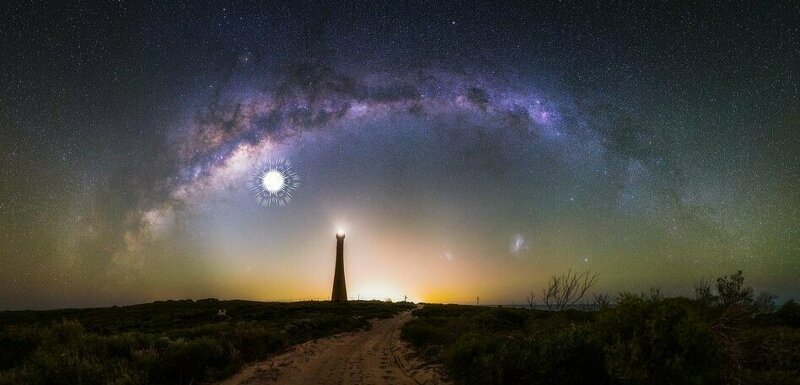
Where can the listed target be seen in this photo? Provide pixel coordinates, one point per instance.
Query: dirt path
(376, 356)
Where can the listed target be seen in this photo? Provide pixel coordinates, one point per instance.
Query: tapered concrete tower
(339, 293)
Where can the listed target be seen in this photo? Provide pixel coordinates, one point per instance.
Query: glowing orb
(274, 182)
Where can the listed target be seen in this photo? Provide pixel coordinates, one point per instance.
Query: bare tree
(531, 298)
(567, 289)
(655, 294)
(601, 301)
(702, 291)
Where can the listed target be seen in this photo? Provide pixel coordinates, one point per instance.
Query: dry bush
(531, 298)
(567, 289)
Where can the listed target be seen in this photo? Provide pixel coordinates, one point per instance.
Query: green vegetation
(172, 342)
(722, 336)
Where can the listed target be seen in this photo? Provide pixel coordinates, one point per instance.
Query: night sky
(466, 148)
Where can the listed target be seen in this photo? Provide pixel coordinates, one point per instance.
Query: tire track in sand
(371, 357)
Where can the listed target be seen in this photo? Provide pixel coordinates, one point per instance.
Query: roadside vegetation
(723, 335)
(171, 342)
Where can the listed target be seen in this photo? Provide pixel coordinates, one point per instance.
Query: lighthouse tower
(339, 293)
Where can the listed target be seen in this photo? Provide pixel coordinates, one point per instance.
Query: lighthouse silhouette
(339, 293)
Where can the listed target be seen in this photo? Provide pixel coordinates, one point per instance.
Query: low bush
(173, 342)
(186, 360)
(572, 356)
(772, 352)
(789, 314)
(641, 339)
(483, 345)
(501, 319)
(656, 341)
(254, 341)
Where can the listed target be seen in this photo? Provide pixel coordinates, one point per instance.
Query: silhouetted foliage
(732, 291)
(771, 355)
(567, 289)
(601, 301)
(651, 340)
(727, 338)
(764, 303)
(789, 313)
(501, 319)
(570, 356)
(704, 295)
(531, 300)
(172, 342)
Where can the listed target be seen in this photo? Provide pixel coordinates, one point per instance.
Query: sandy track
(376, 356)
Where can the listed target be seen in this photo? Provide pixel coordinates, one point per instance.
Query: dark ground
(639, 340)
(170, 342)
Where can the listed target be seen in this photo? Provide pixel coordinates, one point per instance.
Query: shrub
(253, 341)
(732, 291)
(653, 341)
(74, 367)
(427, 331)
(772, 348)
(17, 343)
(567, 289)
(186, 361)
(474, 359)
(571, 356)
(789, 313)
(501, 319)
(173, 342)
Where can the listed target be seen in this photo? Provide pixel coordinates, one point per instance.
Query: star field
(468, 148)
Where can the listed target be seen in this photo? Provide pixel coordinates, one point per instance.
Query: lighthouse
(339, 293)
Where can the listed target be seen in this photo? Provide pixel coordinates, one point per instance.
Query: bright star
(274, 183)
